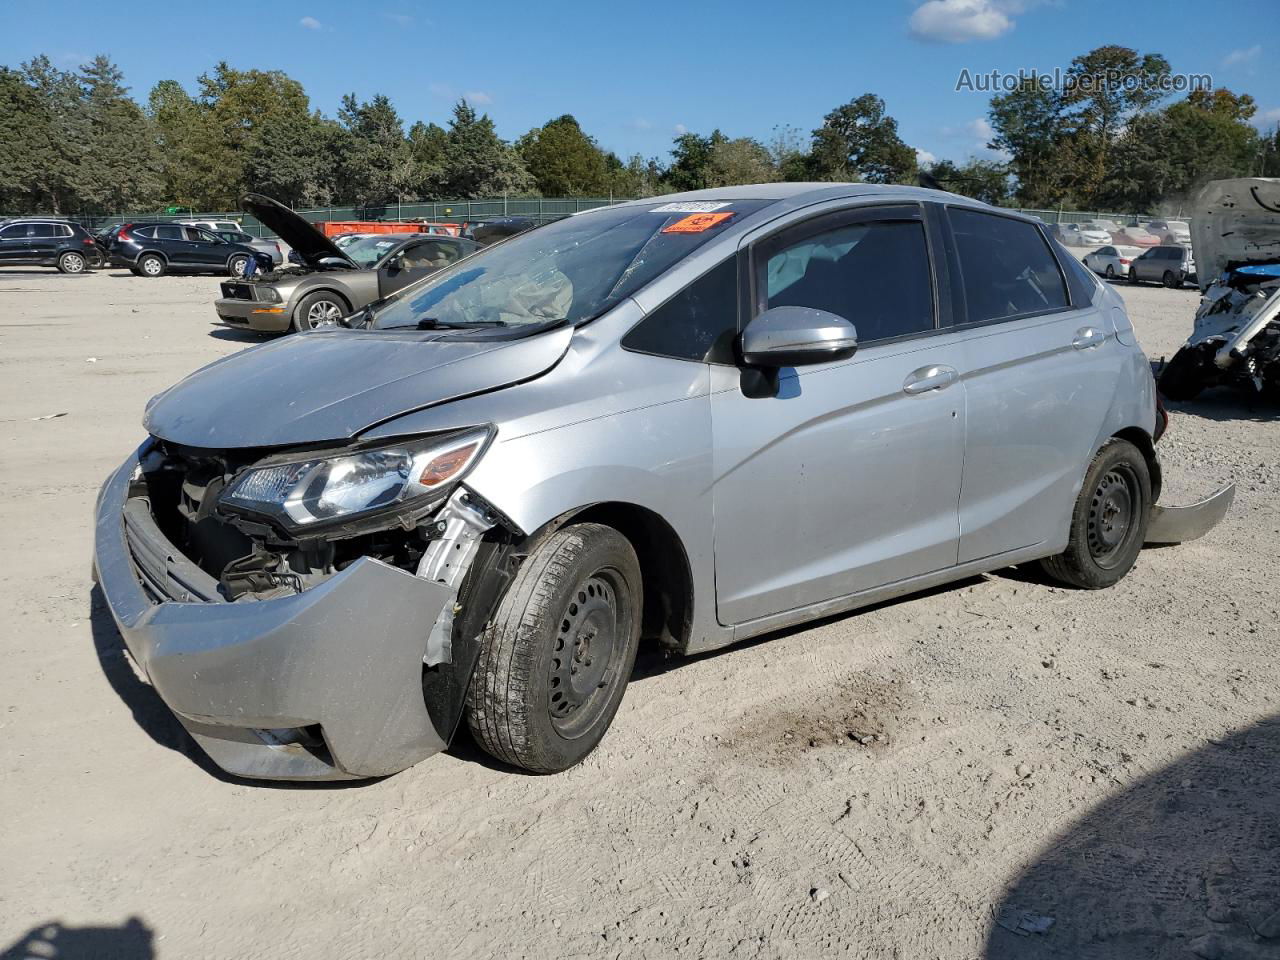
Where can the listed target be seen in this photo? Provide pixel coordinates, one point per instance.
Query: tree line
(76, 142)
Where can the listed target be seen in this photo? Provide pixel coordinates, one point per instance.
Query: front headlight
(268, 295)
(303, 494)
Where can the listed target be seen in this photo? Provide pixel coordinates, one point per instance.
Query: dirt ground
(906, 782)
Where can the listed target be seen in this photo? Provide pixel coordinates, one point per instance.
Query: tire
(1133, 276)
(319, 311)
(1109, 520)
(1111, 271)
(530, 703)
(151, 265)
(72, 262)
(235, 265)
(1170, 280)
(1187, 373)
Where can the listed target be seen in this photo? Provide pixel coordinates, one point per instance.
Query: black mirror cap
(796, 336)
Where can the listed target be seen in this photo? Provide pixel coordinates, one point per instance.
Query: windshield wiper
(431, 323)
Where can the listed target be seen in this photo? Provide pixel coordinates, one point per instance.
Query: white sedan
(1111, 262)
(1082, 235)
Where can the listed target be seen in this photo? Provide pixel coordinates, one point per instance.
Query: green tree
(564, 161)
(120, 167)
(1028, 124)
(193, 155)
(376, 162)
(25, 144)
(741, 160)
(983, 180)
(428, 143)
(691, 161)
(292, 161)
(859, 141)
(477, 163)
(65, 125)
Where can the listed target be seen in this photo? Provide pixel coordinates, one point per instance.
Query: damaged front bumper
(1180, 524)
(246, 678)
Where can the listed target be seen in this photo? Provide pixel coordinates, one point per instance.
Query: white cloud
(1247, 55)
(311, 23)
(959, 21)
(477, 98)
(970, 139)
(924, 158)
(980, 129)
(639, 123)
(1267, 119)
(680, 129)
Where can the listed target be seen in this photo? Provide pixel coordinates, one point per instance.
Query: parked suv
(683, 421)
(1171, 265)
(48, 243)
(152, 249)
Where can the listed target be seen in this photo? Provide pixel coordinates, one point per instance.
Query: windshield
(568, 271)
(367, 251)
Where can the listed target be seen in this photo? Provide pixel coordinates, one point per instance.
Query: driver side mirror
(794, 336)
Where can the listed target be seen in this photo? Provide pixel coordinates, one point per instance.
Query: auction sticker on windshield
(697, 222)
(691, 206)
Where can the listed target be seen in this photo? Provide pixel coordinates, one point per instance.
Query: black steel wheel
(1170, 280)
(556, 656)
(1109, 521)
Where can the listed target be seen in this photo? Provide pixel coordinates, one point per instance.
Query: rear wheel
(72, 262)
(235, 266)
(555, 660)
(150, 265)
(1111, 271)
(319, 311)
(1109, 521)
(1133, 275)
(1170, 280)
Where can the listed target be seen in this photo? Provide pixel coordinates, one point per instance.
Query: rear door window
(1006, 267)
(15, 231)
(43, 230)
(873, 273)
(168, 232)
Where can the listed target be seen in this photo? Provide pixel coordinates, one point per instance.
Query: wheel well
(1142, 440)
(153, 253)
(664, 567)
(328, 290)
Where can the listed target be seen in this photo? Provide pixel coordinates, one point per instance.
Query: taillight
(123, 235)
(87, 241)
(1125, 262)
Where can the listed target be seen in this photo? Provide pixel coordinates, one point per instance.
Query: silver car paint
(841, 490)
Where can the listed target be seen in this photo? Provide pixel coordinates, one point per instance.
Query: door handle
(1087, 337)
(933, 377)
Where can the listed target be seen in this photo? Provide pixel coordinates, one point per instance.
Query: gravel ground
(1021, 752)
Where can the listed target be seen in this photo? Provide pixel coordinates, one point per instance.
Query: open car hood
(1235, 222)
(312, 245)
(332, 385)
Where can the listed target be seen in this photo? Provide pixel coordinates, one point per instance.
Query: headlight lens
(310, 493)
(268, 295)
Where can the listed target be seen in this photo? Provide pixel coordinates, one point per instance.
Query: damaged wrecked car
(332, 279)
(681, 422)
(1235, 339)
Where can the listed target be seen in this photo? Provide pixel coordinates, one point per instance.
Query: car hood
(1235, 222)
(332, 385)
(302, 235)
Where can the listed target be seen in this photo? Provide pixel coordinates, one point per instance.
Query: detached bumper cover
(346, 655)
(1180, 524)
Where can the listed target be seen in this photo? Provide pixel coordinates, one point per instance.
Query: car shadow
(155, 718)
(132, 940)
(1183, 863)
(239, 336)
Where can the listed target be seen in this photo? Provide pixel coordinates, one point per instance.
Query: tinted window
(17, 231)
(167, 232)
(1006, 267)
(698, 323)
(44, 230)
(874, 274)
(1107, 252)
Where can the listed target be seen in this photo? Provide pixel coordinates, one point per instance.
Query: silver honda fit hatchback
(682, 421)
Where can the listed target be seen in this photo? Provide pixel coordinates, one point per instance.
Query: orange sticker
(696, 223)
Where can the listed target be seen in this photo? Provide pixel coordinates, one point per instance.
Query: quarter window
(698, 323)
(1007, 269)
(874, 274)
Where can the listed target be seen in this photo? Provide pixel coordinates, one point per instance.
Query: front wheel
(318, 311)
(235, 266)
(1109, 521)
(556, 657)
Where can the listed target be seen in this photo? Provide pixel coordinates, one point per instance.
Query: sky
(637, 75)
